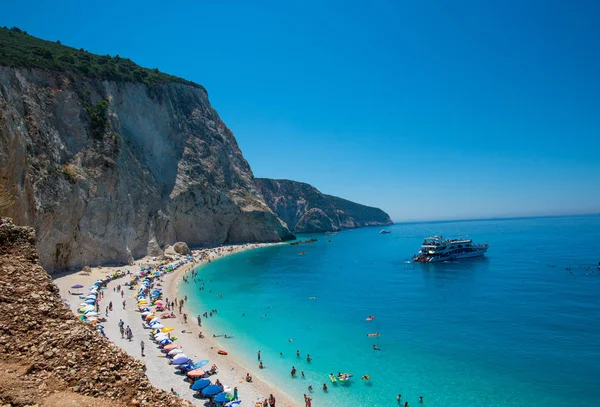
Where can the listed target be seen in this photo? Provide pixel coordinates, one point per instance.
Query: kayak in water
(375, 334)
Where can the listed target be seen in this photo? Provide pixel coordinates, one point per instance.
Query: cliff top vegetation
(19, 49)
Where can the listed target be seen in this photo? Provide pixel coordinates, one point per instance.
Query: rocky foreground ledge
(47, 356)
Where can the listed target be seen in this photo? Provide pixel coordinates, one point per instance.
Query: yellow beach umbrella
(142, 302)
(149, 317)
(167, 329)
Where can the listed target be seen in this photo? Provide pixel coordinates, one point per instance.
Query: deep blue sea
(520, 327)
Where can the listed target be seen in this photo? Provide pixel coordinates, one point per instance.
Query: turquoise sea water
(515, 328)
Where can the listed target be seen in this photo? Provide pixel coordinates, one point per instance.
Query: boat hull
(457, 257)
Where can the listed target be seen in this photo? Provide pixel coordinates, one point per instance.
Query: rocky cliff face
(305, 209)
(110, 171)
(47, 356)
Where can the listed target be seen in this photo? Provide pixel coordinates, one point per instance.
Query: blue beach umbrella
(200, 384)
(212, 390)
(221, 398)
(77, 286)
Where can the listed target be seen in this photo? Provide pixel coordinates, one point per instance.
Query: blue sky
(427, 109)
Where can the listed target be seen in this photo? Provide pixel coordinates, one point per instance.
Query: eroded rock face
(305, 209)
(161, 168)
(181, 248)
(44, 343)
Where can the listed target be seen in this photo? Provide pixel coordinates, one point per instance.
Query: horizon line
(496, 218)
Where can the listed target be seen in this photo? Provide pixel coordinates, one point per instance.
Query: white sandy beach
(160, 373)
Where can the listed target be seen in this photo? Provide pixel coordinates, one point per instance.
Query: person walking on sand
(124, 302)
(271, 400)
(142, 347)
(199, 321)
(185, 317)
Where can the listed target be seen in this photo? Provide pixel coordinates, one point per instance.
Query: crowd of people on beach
(149, 294)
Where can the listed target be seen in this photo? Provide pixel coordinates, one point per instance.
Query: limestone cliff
(305, 209)
(107, 171)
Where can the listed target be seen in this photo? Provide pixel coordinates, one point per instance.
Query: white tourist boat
(437, 248)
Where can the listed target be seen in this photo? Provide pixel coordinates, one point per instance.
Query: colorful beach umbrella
(212, 390)
(167, 329)
(196, 373)
(200, 384)
(180, 359)
(222, 398)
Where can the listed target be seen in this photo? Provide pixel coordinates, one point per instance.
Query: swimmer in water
(375, 347)
(324, 386)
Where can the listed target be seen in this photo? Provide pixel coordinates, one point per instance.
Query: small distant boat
(385, 232)
(436, 249)
(370, 317)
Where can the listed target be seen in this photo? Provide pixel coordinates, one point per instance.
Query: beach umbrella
(165, 341)
(175, 352)
(196, 373)
(157, 325)
(91, 313)
(222, 398)
(150, 317)
(200, 384)
(234, 403)
(170, 347)
(180, 359)
(167, 329)
(146, 313)
(212, 390)
(154, 319)
(77, 286)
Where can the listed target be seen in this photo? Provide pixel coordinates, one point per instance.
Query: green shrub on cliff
(19, 49)
(98, 119)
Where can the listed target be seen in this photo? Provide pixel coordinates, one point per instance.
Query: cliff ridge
(305, 209)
